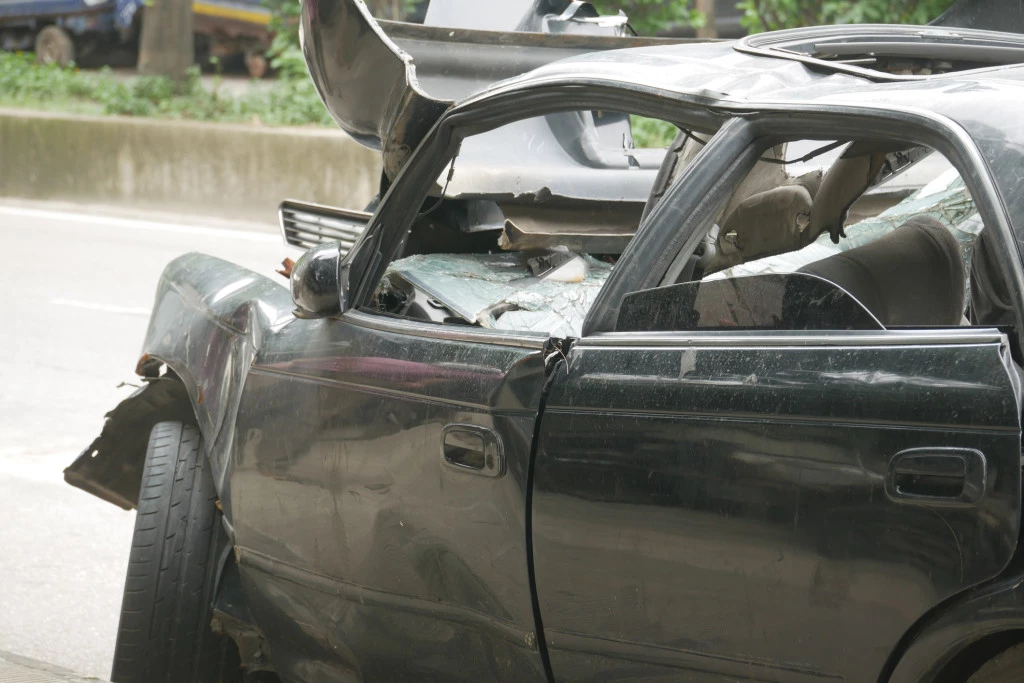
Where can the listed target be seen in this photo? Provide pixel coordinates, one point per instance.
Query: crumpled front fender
(207, 324)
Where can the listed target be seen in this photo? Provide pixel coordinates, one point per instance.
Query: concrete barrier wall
(224, 170)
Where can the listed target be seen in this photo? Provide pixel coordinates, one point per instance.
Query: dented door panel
(361, 547)
(722, 509)
(208, 322)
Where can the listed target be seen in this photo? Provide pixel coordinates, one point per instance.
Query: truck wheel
(164, 634)
(1006, 667)
(54, 46)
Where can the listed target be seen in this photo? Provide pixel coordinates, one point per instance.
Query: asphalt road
(77, 285)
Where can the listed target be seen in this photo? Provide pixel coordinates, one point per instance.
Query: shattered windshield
(527, 221)
(536, 258)
(510, 291)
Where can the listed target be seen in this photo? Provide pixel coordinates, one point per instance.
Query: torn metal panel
(208, 320)
(586, 228)
(233, 618)
(387, 83)
(111, 467)
(578, 155)
(285, 271)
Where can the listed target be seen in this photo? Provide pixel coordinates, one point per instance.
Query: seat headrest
(912, 276)
(842, 185)
(765, 224)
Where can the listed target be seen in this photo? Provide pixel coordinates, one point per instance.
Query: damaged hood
(386, 83)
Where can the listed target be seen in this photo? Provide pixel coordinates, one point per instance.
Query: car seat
(991, 301)
(912, 276)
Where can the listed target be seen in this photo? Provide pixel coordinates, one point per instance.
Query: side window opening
(834, 235)
(527, 222)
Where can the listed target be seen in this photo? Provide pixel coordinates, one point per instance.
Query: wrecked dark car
(745, 405)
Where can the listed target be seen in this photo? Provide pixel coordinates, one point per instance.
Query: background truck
(63, 31)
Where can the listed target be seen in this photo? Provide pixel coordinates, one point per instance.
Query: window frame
(699, 198)
(367, 262)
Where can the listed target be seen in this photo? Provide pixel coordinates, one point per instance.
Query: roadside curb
(15, 668)
(231, 171)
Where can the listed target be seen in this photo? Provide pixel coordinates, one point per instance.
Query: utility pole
(708, 30)
(166, 45)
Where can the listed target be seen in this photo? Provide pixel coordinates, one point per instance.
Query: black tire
(54, 46)
(164, 634)
(1005, 667)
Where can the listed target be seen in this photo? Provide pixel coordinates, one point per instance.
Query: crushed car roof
(725, 72)
(984, 102)
(721, 74)
(387, 83)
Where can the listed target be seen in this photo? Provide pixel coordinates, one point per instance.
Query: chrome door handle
(937, 476)
(472, 449)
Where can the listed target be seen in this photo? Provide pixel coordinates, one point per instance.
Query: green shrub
(770, 15)
(652, 132)
(292, 100)
(647, 17)
(288, 101)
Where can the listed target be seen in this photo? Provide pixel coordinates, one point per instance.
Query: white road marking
(133, 224)
(43, 464)
(106, 308)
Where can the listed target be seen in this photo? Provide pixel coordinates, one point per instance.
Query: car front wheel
(164, 634)
(54, 46)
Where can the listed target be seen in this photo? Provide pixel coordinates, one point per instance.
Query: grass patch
(289, 101)
(652, 133)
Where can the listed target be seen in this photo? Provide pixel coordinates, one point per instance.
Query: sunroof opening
(890, 52)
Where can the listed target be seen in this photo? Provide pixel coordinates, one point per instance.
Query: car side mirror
(316, 288)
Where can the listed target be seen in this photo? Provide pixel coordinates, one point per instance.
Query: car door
(379, 497)
(379, 488)
(725, 504)
(722, 505)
